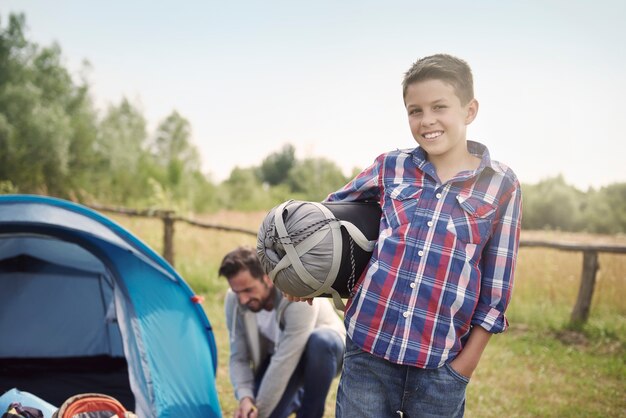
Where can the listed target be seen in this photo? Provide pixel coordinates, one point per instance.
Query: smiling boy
(440, 278)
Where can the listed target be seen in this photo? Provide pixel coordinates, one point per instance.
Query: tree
(173, 149)
(605, 211)
(52, 142)
(275, 167)
(44, 116)
(552, 204)
(180, 164)
(122, 155)
(243, 190)
(82, 153)
(315, 178)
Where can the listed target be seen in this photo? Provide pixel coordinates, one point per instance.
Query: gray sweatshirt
(249, 348)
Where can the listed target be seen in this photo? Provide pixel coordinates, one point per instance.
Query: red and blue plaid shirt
(444, 259)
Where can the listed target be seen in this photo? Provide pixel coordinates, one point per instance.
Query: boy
(441, 275)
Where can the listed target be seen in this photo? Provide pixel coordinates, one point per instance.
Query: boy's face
(437, 119)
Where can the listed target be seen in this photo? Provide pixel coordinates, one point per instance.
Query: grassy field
(539, 368)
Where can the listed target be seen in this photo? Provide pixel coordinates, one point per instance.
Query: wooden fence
(579, 315)
(168, 217)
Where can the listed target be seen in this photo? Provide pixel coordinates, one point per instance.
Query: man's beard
(257, 305)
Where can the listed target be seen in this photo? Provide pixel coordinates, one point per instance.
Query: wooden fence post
(587, 284)
(168, 236)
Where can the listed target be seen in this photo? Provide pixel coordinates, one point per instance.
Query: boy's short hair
(444, 67)
(240, 259)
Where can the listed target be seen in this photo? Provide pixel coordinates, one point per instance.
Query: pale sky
(325, 76)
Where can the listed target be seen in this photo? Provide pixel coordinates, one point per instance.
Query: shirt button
(420, 253)
(405, 314)
(429, 223)
(438, 195)
(412, 285)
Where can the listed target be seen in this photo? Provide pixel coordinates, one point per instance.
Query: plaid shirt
(444, 259)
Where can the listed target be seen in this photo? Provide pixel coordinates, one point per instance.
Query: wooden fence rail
(579, 315)
(169, 217)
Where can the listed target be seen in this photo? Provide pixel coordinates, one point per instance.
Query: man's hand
(246, 409)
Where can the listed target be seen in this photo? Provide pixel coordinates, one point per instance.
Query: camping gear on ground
(314, 249)
(28, 399)
(17, 410)
(87, 307)
(92, 405)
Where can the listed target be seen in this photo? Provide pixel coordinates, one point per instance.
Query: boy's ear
(472, 111)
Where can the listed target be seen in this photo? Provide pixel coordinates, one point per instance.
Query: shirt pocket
(471, 219)
(400, 204)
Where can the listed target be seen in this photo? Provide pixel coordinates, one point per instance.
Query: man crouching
(283, 355)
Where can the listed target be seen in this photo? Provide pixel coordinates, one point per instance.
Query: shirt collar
(475, 148)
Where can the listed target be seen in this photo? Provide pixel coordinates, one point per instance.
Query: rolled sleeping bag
(314, 249)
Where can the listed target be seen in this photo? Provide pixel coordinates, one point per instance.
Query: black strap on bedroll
(363, 219)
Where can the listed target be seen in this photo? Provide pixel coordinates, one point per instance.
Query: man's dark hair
(239, 259)
(443, 67)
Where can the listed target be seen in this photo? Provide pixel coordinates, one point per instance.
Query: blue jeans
(309, 384)
(374, 387)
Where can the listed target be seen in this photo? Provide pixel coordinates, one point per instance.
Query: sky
(325, 76)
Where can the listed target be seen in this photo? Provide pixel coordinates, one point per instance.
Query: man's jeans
(374, 387)
(309, 384)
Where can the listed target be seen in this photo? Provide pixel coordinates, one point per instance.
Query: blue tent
(85, 306)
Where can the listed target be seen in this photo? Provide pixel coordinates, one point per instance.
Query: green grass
(535, 372)
(540, 367)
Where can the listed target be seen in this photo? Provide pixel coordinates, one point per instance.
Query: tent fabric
(76, 286)
(314, 249)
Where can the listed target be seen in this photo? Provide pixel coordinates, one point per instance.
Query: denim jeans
(374, 387)
(309, 384)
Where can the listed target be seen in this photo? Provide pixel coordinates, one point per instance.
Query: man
(283, 355)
